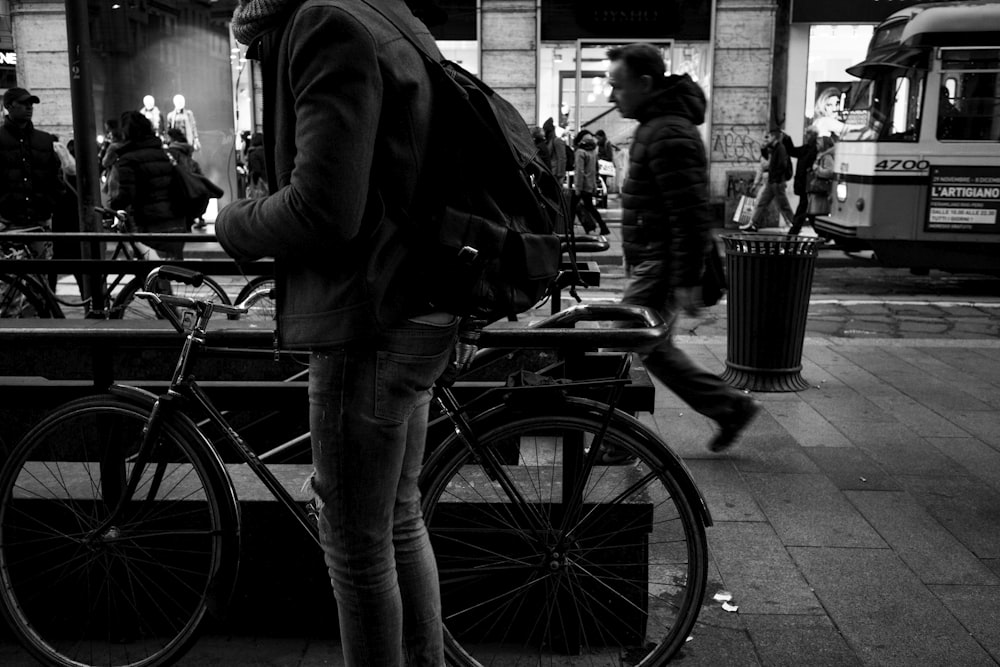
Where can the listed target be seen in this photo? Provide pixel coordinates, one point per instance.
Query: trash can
(770, 279)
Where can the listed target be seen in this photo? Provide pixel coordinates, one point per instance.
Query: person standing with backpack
(337, 73)
(665, 227)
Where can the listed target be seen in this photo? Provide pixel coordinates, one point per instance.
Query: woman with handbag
(820, 181)
(144, 176)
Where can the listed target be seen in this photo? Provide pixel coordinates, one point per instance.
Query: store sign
(8, 58)
(566, 20)
(964, 199)
(847, 11)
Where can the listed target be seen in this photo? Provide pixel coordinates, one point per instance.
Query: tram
(918, 160)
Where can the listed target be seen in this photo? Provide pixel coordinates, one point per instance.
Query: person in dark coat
(30, 184)
(346, 140)
(666, 224)
(805, 156)
(145, 176)
(183, 153)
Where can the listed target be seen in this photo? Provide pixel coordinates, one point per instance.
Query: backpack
(488, 204)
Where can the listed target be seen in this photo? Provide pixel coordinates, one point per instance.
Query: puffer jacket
(347, 116)
(665, 196)
(29, 175)
(144, 178)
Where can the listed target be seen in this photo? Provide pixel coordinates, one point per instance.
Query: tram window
(971, 109)
(886, 108)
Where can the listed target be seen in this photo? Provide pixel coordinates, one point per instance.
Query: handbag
(744, 210)
(713, 278)
(819, 204)
(190, 191)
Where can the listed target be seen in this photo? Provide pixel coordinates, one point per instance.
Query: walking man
(779, 172)
(665, 224)
(349, 104)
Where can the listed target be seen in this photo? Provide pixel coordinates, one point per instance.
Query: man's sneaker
(731, 428)
(748, 227)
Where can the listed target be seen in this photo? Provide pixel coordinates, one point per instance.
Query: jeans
(368, 408)
(775, 192)
(705, 392)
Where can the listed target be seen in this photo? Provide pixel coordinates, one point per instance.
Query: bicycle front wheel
(18, 298)
(547, 559)
(127, 306)
(77, 590)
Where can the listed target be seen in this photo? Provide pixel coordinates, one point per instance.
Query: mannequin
(183, 119)
(150, 111)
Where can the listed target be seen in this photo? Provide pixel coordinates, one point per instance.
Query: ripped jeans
(368, 407)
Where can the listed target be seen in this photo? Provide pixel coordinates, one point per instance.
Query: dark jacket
(183, 152)
(805, 156)
(29, 175)
(347, 115)
(665, 197)
(145, 175)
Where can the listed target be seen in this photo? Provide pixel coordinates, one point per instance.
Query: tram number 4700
(902, 165)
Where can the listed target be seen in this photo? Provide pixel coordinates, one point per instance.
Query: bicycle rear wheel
(127, 306)
(18, 298)
(533, 573)
(134, 593)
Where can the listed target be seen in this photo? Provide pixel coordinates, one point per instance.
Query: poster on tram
(964, 199)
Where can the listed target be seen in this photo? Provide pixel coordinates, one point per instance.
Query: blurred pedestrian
(820, 185)
(804, 156)
(144, 177)
(774, 188)
(183, 153)
(556, 149)
(666, 226)
(351, 105)
(585, 183)
(256, 167)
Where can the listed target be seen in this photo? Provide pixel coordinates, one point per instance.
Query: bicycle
(26, 295)
(119, 522)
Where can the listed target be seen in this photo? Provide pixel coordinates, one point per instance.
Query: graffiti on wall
(736, 143)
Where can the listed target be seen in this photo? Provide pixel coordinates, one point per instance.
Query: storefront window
(832, 49)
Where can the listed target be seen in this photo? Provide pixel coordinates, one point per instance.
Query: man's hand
(689, 299)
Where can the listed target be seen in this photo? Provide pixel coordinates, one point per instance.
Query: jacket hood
(680, 97)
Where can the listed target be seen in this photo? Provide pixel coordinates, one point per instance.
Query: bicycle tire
(134, 595)
(265, 310)
(20, 299)
(620, 582)
(127, 306)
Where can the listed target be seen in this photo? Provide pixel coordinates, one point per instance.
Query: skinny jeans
(369, 403)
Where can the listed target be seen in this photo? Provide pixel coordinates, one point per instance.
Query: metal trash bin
(770, 280)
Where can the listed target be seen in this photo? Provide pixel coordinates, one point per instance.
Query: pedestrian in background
(30, 183)
(183, 153)
(821, 178)
(585, 183)
(666, 226)
(774, 189)
(350, 127)
(256, 167)
(557, 150)
(804, 156)
(144, 176)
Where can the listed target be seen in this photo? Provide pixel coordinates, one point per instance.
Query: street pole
(87, 180)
